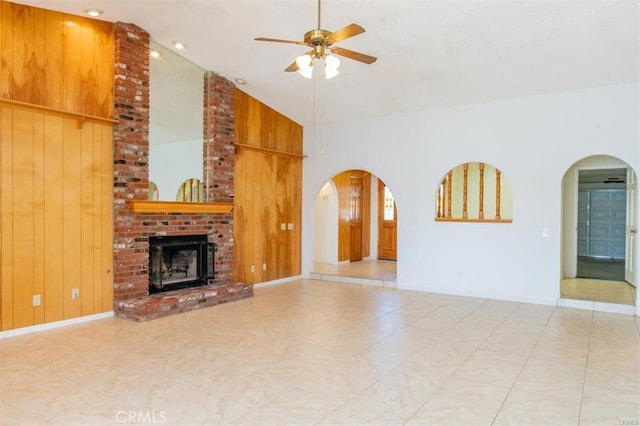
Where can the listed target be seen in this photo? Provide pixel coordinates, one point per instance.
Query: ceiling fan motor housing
(317, 37)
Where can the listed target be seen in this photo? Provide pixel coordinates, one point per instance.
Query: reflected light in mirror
(175, 121)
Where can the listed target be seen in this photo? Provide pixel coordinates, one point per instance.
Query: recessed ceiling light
(178, 44)
(155, 53)
(240, 81)
(94, 13)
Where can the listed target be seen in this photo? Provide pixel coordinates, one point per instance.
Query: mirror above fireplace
(175, 122)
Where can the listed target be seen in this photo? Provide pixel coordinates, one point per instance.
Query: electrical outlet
(253, 268)
(36, 300)
(264, 266)
(75, 293)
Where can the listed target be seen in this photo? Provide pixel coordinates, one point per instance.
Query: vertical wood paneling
(88, 221)
(53, 208)
(38, 212)
(268, 193)
(23, 218)
(56, 227)
(6, 212)
(56, 60)
(71, 216)
(283, 200)
(1, 190)
(295, 197)
(103, 57)
(72, 48)
(6, 49)
(104, 193)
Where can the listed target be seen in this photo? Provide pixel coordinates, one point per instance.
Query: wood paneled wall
(56, 217)
(268, 193)
(56, 60)
(57, 180)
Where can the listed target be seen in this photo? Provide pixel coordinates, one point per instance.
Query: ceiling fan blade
(291, 68)
(277, 40)
(344, 33)
(356, 56)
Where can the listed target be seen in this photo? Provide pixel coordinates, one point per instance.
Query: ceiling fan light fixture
(331, 64)
(305, 65)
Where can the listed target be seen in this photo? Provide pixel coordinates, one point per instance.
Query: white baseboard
(280, 281)
(51, 325)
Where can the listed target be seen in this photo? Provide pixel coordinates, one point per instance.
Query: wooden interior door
(387, 224)
(355, 219)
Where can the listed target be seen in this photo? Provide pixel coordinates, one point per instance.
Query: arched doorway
(599, 233)
(355, 228)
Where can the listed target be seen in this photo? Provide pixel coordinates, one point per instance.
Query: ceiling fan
(321, 43)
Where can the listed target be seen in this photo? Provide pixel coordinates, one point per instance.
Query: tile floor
(384, 271)
(322, 353)
(605, 291)
(368, 268)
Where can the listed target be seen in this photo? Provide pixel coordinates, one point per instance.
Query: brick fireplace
(132, 230)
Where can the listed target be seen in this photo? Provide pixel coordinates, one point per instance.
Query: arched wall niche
(474, 192)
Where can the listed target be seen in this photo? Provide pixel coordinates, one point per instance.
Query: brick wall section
(219, 135)
(130, 160)
(218, 162)
(131, 180)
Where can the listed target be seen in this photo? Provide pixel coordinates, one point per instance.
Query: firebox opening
(177, 262)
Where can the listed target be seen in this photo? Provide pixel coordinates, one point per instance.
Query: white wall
(533, 140)
(170, 164)
(325, 225)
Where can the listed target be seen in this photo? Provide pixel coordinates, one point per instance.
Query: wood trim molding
(446, 219)
(169, 207)
(79, 116)
(271, 151)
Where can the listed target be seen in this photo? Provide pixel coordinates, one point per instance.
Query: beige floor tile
(559, 381)
(487, 366)
(259, 417)
(393, 399)
(309, 352)
(461, 402)
(511, 340)
(606, 376)
(12, 416)
(602, 406)
(539, 408)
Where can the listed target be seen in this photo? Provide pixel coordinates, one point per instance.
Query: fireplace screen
(179, 261)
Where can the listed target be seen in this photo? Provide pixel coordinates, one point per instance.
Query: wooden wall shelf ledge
(168, 207)
(77, 115)
(269, 150)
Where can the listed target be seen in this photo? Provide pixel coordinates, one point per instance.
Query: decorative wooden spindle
(497, 194)
(449, 191)
(481, 195)
(465, 168)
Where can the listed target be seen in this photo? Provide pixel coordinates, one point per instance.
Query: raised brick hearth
(131, 180)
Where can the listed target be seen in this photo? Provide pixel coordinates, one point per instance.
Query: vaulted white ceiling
(431, 54)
